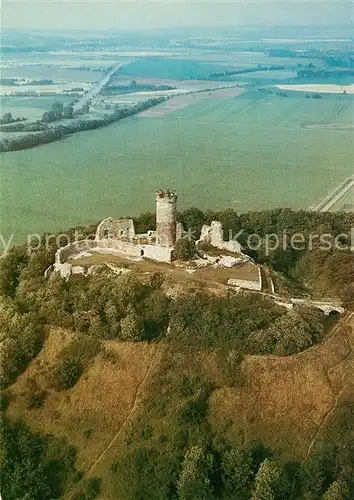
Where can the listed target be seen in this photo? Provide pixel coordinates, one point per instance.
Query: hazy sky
(144, 14)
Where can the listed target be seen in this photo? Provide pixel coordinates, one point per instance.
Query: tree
(57, 107)
(236, 474)
(267, 481)
(49, 116)
(334, 492)
(66, 373)
(33, 466)
(68, 111)
(131, 327)
(11, 266)
(7, 118)
(184, 249)
(192, 220)
(194, 482)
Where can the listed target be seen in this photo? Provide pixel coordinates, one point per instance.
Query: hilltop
(150, 384)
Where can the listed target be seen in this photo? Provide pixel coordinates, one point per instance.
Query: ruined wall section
(125, 247)
(161, 254)
(255, 285)
(213, 235)
(72, 249)
(116, 229)
(166, 210)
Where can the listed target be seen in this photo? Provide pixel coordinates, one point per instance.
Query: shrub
(131, 327)
(4, 400)
(89, 490)
(232, 368)
(67, 373)
(185, 249)
(72, 361)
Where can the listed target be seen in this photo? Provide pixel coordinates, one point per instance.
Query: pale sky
(144, 14)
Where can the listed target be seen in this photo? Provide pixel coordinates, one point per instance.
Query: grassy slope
(286, 403)
(90, 413)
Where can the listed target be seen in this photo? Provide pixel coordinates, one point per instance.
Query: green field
(30, 107)
(249, 152)
(257, 109)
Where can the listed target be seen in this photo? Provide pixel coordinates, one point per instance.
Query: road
(336, 195)
(96, 88)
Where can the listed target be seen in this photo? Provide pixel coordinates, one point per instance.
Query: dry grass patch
(89, 414)
(246, 271)
(285, 400)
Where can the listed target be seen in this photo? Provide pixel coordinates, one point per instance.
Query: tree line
(44, 134)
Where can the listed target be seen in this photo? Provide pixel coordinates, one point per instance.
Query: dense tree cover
(289, 333)
(33, 466)
(20, 126)
(135, 87)
(220, 322)
(328, 273)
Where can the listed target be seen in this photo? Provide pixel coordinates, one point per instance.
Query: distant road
(336, 195)
(96, 88)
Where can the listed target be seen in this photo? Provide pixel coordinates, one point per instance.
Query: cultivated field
(257, 109)
(319, 87)
(30, 107)
(250, 152)
(180, 102)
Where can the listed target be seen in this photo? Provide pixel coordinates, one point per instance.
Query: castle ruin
(118, 236)
(156, 244)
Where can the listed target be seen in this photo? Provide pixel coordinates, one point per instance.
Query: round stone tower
(166, 203)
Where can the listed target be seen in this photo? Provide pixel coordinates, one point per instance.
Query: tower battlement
(166, 194)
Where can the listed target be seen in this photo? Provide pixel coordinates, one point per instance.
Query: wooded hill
(112, 388)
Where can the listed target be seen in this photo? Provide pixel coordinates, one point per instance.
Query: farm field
(55, 73)
(257, 109)
(248, 152)
(29, 107)
(319, 87)
(247, 59)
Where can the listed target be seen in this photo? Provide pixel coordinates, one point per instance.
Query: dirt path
(137, 397)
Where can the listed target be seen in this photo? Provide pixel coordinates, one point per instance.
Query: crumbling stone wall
(72, 249)
(255, 285)
(161, 254)
(118, 229)
(213, 235)
(126, 247)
